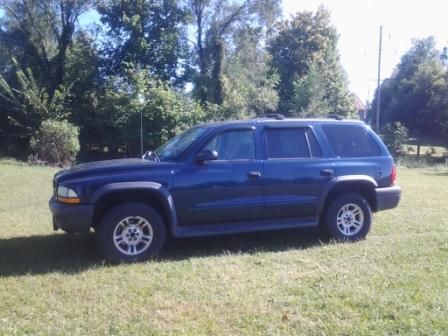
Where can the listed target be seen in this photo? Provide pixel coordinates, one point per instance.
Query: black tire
(121, 224)
(350, 209)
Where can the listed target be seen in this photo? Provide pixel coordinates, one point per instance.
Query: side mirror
(206, 155)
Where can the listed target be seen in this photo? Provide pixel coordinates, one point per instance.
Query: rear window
(351, 141)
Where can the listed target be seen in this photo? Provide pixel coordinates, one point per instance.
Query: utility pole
(378, 100)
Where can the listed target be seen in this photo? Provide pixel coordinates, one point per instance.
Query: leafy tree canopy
(416, 93)
(305, 56)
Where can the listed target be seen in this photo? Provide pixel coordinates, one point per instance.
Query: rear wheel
(348, 217)
(131, 232)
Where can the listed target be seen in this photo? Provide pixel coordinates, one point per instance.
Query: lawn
(394, 282)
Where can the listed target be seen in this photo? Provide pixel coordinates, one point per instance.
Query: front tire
(131, 232)
(348, 218)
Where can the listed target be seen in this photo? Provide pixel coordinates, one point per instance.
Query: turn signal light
(69, 200)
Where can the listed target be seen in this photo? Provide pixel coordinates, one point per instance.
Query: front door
(228, 189)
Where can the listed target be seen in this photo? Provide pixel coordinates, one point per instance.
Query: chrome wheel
(350, 219)
(133, 235)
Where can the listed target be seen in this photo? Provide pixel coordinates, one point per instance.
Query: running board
(242, 227)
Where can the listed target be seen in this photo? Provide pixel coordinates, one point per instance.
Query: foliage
(56, 142)
(395, 136)
(218, 24)
(165, 112)
(31, 103)
(36, 38)
(430, 151)
(39, 33)
(149, 34)
(304, 53)
(182, 62)
(416, 94)
(309, 95)
(248, 83)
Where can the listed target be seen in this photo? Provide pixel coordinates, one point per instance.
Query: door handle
(254, 174)
(327, 172)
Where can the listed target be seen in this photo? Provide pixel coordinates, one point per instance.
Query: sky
(358, 22)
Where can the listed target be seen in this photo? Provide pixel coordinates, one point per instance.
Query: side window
(351, 141)
(286, 143)
(234, 145)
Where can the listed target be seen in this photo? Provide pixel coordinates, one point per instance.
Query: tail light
(393, 175)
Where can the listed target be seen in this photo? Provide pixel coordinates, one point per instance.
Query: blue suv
(228, 177)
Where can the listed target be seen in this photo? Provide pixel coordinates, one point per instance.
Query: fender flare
(158, 189)
(340, 180)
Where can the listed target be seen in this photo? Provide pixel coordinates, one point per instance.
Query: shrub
(430, 151)
(394, 136)
(56, 142)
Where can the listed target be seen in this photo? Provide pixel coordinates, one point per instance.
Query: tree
(416, 94)
(148, 34)
(37, 41)
(217, 23)
(31, 103)
(39, 33)
(305, 44)
(309, 95)
(166, 111)
(248, 84)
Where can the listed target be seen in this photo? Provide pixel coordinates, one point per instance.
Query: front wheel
(348, 217)
(131, 232)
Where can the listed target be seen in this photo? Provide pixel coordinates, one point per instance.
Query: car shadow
(74, 253)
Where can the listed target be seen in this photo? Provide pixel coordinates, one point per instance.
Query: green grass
(394, 282)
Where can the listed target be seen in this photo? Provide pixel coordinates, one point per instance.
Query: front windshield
(172, 149)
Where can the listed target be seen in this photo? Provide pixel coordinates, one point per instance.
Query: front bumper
(72, 218)
(387, 198)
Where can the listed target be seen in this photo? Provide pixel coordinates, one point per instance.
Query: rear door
(295, 172)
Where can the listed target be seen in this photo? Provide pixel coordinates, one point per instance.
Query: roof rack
(335, 116)
(276, 116)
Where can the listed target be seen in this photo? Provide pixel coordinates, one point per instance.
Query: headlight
(67, 195)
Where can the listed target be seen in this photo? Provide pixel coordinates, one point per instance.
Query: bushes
(56, 142)
(394, 136)
(165, 112)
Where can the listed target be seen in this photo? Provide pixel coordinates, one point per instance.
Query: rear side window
(286, 143)
(351, 141)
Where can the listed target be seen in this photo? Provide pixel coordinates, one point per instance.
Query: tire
(131, 232)
(348, 217)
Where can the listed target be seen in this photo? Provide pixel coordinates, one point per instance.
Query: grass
(394, 282)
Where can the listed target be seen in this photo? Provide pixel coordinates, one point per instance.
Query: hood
(107, 167)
